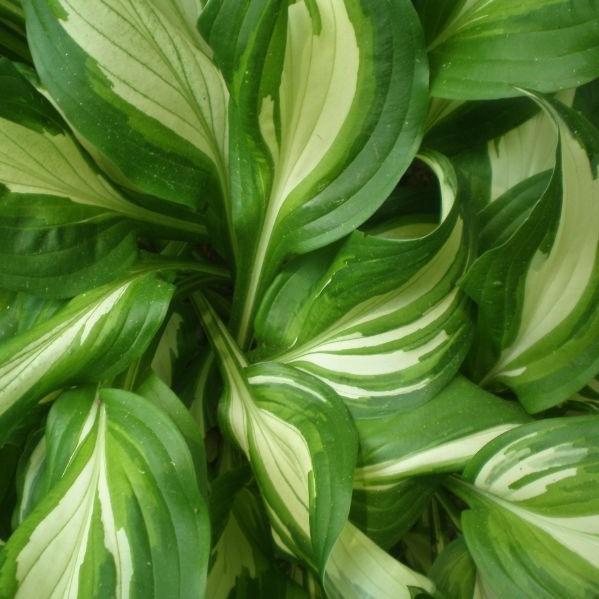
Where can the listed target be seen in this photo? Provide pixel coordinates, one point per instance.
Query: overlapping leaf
(384, 323)
(63, 228)
(533, 526)
(329, 99)
(437, 437)
(138, 89)
(92, 338)
(537, 291)
(486, 48)
(121, 513)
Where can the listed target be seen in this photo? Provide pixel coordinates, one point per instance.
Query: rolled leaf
(122, 511)
(329, 99)
(138, 89)
(487, 48)
(533, 526)
(92, 338)
(384, 324)
(538, 329)
(299, 439)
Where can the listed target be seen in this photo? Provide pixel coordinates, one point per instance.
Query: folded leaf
(384, 324)
(63, 228)
(437, 437)
(489, 47)
(328, 102)
(92, 338)
(300, 442)
(138, 89)
(122, 512)
(537, 291)
(533, 526)
(359, 568)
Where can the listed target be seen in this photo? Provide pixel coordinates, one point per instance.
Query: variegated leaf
(486, 48)
(122, 513)
(299, 439)
(93, 337)
(533, 526)
(538, 329)
(437, 437)
(359, 569)
(63, 227)
(384, 324)
(137, 88)
(329, 99)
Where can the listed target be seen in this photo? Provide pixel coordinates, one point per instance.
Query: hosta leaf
(299, 439)
(523, 152)
(13, 43)
(454, 572)
(138, 89)
(161, 395)
(63, 228)
(588, 396)
(330, 98)
(533, 526)
(19, 312)
(439, 436)
(359, 568)
(123, 512)
(384, 324)
(488, 47)
(93, 337)
(538, 326)
(242, 545)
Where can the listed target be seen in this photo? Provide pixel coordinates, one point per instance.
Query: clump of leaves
(299, 298)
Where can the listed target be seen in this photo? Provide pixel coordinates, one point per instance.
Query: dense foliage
(299, 298)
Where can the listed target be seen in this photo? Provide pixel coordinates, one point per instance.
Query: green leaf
(122, 512)
(384, 324)
(138, 89)
(329, 99)
(537, 291)
(19, 312)
(300, 442)
(437, 437)
(160, 394)
(92, 338)
(533, 526)
(63, 227)
(455, 573)
(487, 48)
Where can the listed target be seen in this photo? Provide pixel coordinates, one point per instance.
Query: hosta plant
(299, 299)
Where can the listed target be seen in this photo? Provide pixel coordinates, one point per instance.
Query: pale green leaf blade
(155, 105)
(359, 569)
(93, 337)
(123, 511)
(384, 337)
(533, 526)
(487, 48)
(539, 337)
